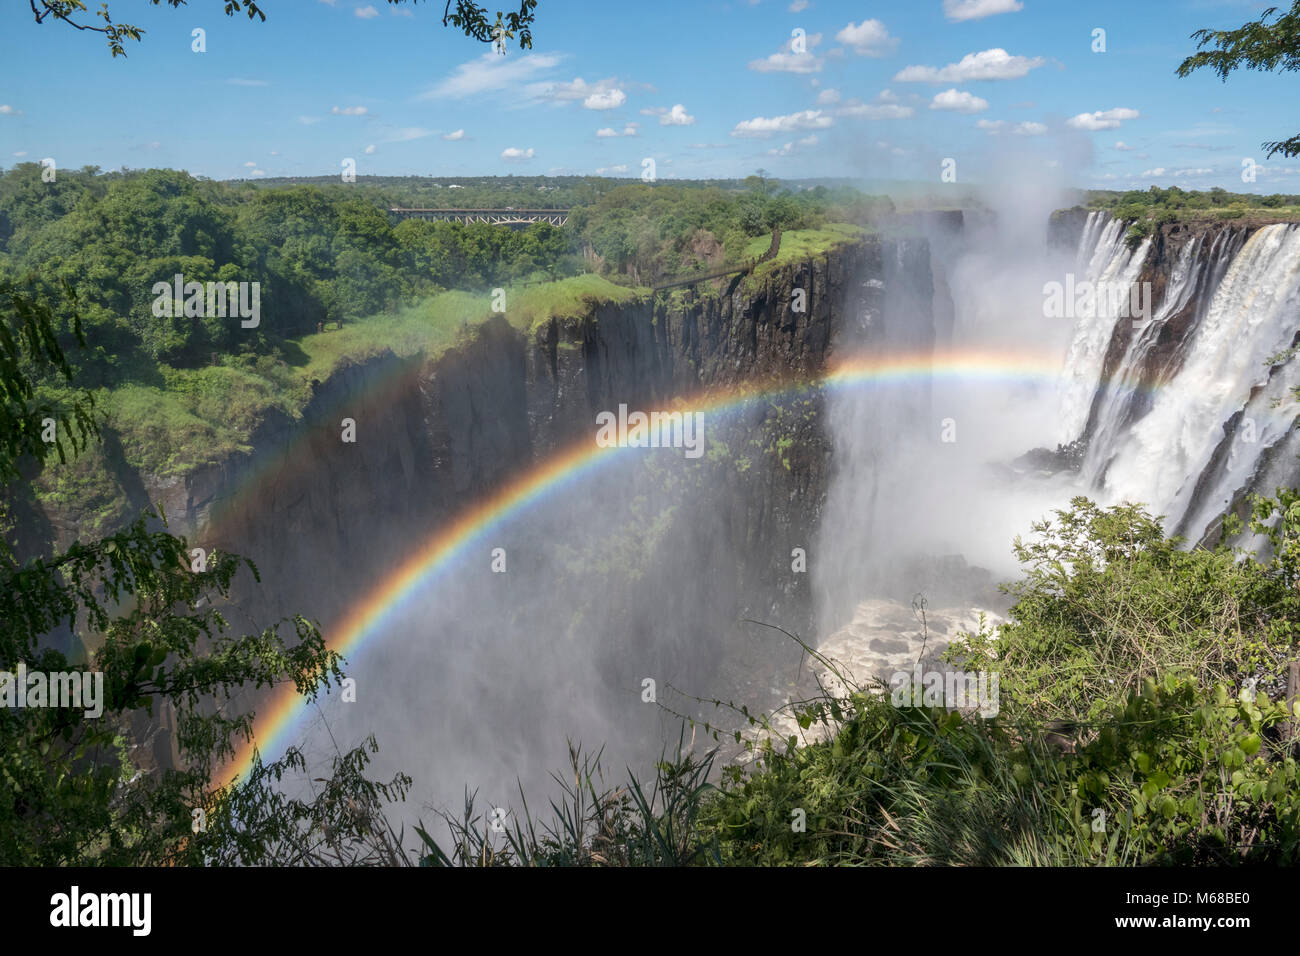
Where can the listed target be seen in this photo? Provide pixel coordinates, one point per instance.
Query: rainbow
(370, 616)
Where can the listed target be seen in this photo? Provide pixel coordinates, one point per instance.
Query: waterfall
(1183, 408)
(1192, 406)
(1104, 257)
(1155, 348)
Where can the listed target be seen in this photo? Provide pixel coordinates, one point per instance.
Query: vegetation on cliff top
(339, 280)
(1156, 206)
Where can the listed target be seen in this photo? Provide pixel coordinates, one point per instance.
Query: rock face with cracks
(325, 520)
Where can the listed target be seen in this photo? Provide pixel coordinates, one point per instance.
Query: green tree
(1257, 45)
(75, 788)
(466, 16)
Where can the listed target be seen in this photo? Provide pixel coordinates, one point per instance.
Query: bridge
(493, 217)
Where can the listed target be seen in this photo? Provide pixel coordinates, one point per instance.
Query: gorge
(867, 448)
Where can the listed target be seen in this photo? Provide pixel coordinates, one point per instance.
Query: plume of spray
(921, 469)
(498, 664)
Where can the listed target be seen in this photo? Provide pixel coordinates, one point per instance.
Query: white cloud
(1158, 171)
(788, 61)
(806, 143)
(7, 110)
(366, 13)
(604, 170)
(1124, 147)
(606, 133)
(1027, 128)
(454, 136)
(605, 101)
(350, 111)
(828, 96)
(874, 111)
(995, 64)
(490, 73)
(20, 153)
(370, 150)
(868, 38)
(259, 172)
(1102, 119)
(677, 116)
(764, 126)
(407, 133)
(958, 101)
(978, 9)
(601, 95)
(1199, 171)
(250, 164)
(513, 155)
(798, 6)
(630, 129)
(308, 120)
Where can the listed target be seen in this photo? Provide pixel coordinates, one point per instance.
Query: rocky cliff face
(326, 519)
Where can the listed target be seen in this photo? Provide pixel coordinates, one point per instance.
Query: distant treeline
(1174, 203)
(330, 251)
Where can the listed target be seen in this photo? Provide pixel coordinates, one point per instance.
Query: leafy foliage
(79, 786)
(1140, 723)
(468, 17)
(1155, 206)
(1135, 690)
(1257, 45)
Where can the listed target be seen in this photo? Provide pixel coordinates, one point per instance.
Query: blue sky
(1010, 89)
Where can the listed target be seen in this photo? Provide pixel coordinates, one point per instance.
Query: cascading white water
(1104, 257)
(1167, 458)
(1115, 397)
(1268, 419)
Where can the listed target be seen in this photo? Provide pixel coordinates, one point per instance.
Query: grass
(567, 298)
(802, 244)
(433, 325)
(430, 326)
(202, 416)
